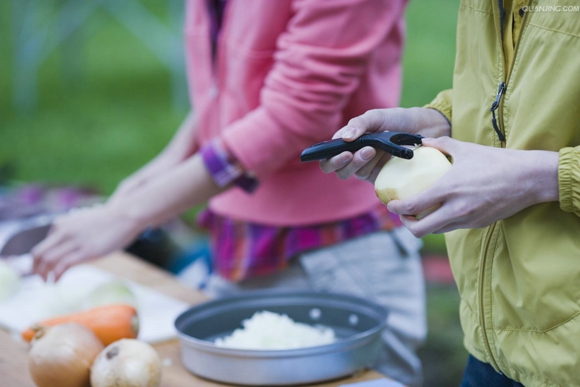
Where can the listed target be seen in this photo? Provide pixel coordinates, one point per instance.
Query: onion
(400, 178)
(127, 363)
(9, 281)
(62, 355)
(109, 293)
(267, 330)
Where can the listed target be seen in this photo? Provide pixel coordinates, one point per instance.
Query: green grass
(97, 128)
(430, 51)
(428, 64)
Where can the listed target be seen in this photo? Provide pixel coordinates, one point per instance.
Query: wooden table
(13, 360)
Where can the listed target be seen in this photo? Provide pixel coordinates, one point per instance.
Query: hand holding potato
(366, 163)
(484, 185)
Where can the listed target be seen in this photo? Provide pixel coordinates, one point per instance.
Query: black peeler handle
(390, 142)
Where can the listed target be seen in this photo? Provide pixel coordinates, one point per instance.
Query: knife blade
(23, 240)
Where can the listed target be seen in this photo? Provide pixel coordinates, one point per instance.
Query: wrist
(431, 122)
(174, 154)
(542, 172)
(128, 214)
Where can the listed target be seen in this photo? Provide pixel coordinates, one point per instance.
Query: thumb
(370, 121)
(445, 144)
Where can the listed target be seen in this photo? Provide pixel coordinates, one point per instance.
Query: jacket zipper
(494, 107)
(481, 289)
(497, 122)
(498, 126)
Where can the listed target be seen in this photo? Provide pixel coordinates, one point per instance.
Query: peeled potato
(402, 178)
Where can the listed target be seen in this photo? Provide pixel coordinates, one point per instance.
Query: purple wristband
(224, 168)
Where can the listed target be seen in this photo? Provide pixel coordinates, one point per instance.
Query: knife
(24, 239)
(21, 237)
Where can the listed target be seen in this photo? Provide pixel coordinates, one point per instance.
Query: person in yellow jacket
(510, 204)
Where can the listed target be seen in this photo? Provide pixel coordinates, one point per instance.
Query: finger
(53, 239)
(372, 169)
(43, 265)
(370, 121)
(414, 205)
(444, 144)
(339, 133)
(435, 221)
(359, 160)
(43, 259)
(365, 171)
(448, 228)
(60, 250)
(335, 163)
(417, 227)
(461, 222)
(68, 261)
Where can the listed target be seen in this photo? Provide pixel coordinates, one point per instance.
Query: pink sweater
(288, 74)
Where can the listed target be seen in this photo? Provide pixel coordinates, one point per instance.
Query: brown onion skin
(62, 356)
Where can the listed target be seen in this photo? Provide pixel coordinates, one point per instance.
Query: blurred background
(90, 91)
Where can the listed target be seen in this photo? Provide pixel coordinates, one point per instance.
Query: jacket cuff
(442, 103)
(569, 179)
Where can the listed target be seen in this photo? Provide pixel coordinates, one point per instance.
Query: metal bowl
(357, 323)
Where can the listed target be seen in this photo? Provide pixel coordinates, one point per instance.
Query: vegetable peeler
(390, 142)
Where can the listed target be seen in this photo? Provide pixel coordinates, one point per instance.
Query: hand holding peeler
(390, 142)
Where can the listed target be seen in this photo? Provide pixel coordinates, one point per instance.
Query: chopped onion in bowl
(271, 331)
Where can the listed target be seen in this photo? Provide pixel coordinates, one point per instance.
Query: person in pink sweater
(268, 79)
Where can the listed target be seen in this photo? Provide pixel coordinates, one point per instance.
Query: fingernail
(367, 154)
(344, 159)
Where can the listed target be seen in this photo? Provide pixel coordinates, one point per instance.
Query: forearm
(182, 145)
(180, 148)
(187, 185)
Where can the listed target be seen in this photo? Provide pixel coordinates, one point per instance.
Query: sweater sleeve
(224, 168)
(569, 179)
(443, 103)
(319, 61)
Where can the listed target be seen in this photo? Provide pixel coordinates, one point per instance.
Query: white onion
(400, 178)
(271, 331)
(127, 363)
(9, 281)
(62, 355)
(109, 293)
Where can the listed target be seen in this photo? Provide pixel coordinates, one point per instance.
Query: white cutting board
(35, 301)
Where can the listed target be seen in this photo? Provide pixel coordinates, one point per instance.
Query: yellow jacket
(519, 278)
